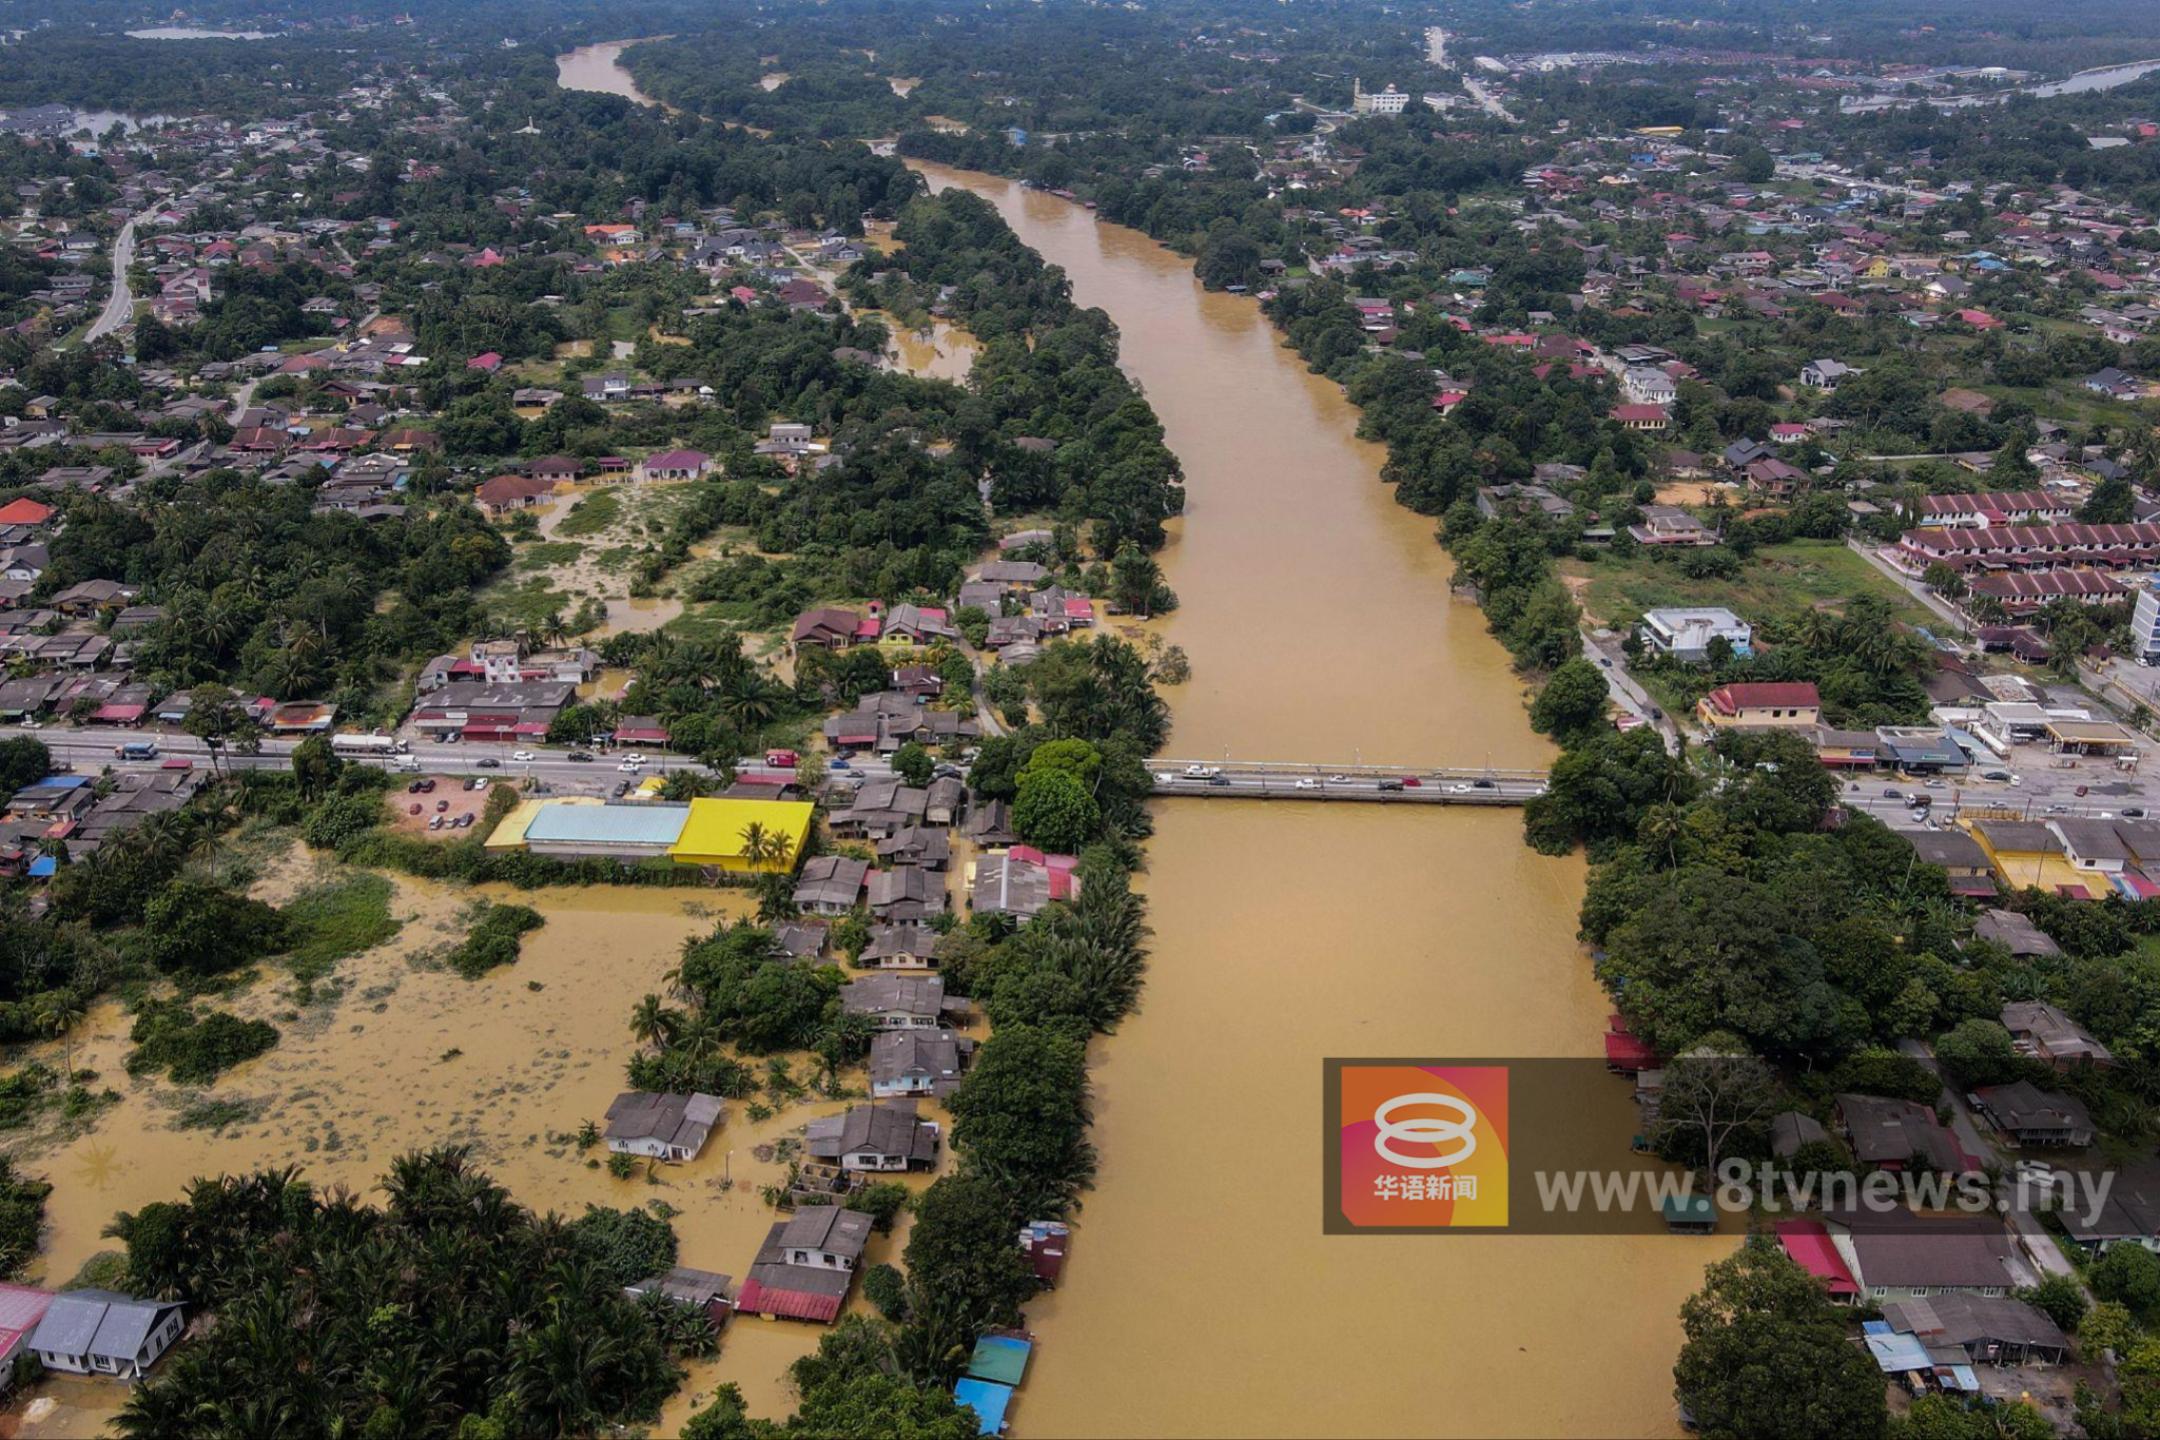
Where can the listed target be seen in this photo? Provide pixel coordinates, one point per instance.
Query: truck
(363, 745)
(136, 750)
(782, 759)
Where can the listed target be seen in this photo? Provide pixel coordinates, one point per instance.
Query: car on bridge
(1306, 782)
(1202, 772)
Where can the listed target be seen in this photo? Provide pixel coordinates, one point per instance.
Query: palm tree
(757, 845)
(58, 1012)
(653, 1023)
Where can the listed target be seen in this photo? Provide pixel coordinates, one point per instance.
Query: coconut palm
(653, 1023)
(58, 1012)
(757, 844)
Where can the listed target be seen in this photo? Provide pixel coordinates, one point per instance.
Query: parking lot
(449, 799)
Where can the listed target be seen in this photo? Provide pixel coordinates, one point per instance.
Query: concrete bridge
(1372, 784)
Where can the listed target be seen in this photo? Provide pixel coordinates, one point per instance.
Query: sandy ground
(450, 799)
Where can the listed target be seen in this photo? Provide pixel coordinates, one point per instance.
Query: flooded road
(1202, 1298)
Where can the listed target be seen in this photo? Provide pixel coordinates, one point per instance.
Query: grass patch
(106, 1270)
(1779, 583)
(592, 514)
(218, 1114)
(335, 921)
(546, 554)
(523, 606)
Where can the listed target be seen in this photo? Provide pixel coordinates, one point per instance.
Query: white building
(1686, 633)
(1385, 102)
(2145, 625)
(98, 1332)
(1648, 386)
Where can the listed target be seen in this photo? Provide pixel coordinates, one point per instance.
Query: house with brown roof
(2031, 1116)
(2045, 1033)
(505, 493)
(918, 1062)
(1892, 1134)
(875, 1138)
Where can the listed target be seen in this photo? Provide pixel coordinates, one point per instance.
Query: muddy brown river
(1202, 1298)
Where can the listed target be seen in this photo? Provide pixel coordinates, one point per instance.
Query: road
(1940, 608)
(1486, 102)
(89, 750)
(120, 305)
(1602, 649)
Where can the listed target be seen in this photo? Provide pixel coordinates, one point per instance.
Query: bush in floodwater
(191, 1046)
(495, 939)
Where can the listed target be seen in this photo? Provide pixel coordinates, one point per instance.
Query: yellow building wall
(713, 835)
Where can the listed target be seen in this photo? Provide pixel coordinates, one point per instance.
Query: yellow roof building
(714, 834)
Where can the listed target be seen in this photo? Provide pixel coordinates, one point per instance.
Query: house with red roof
(1807, 1243)
(21, 1308)
(676, 465)
(1762, 705)
(25, 511)
(488, 363)
(1641, 417)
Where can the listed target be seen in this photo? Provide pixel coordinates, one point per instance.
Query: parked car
(434, 822)
(412, 809)
(622, 788)
(414, 788)
(441, 806)
(427, 786)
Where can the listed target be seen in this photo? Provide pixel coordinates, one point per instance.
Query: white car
(1339, 780)
(1307, 783)
(1202, 772)
(523, 757)
(1460, 789)
(631, 766)
(30, 724)
(633, 759)
(1164, 777)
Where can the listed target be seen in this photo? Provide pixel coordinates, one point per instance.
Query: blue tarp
(987, 1400)
(1897, 1354)
(44, 867)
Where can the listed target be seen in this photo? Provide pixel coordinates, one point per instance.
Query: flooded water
(942, 352)
(1202, 1297)
(511, 1064)
(599, 68)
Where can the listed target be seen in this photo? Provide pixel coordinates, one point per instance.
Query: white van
(405, 764)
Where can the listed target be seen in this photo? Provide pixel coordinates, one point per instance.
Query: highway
(88, 751)
(120, 305)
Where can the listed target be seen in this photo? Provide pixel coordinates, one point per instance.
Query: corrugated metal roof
(660, 825)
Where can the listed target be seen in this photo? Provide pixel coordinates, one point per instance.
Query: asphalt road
(120, 305)
(89, 751)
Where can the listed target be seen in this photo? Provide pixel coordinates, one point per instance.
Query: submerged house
(661, 1127)
(101, 1332)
